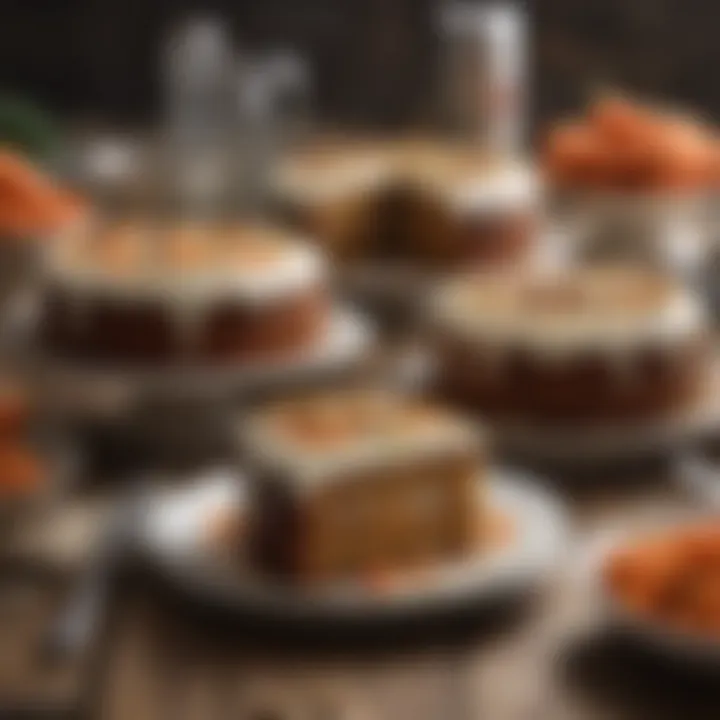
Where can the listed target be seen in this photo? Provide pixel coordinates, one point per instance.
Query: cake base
(589, 389)
(579, 445)
(104, 390)
(125, 333)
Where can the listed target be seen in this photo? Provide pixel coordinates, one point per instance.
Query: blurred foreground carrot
(21, 472)
(30, 203)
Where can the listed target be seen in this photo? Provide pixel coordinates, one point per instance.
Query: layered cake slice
(426, 201)
(138, 293)
(465, 210)
(333, 191)
(593, 344)
(353, 482)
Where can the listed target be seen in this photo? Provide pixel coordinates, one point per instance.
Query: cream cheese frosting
(460, 177)
(325, 439)
(328, 173)
(568, 312)
(189, 264)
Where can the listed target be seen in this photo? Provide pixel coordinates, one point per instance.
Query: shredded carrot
(30, 202)
(625, 146)
(20, 471)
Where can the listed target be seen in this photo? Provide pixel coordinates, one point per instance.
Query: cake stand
(106, 388)
(585, 445)
(180, 411)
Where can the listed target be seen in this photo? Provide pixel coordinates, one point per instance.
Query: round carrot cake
(594, 344)
(134, 292)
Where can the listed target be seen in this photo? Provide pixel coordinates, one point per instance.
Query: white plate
(582, 444)
(175, 537)
(652, 633)
(108, 389)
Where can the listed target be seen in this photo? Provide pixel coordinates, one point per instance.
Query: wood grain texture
(164, 660)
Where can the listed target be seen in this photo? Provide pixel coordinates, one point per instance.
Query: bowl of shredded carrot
(636, 180)
(664, 586)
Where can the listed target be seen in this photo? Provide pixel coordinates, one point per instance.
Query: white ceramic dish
(673, 232)
(176, 539)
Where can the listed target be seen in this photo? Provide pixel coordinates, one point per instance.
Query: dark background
(374, 60)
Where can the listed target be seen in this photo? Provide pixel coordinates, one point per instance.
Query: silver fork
(80, 619)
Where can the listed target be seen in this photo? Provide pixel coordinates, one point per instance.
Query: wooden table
(164, 659)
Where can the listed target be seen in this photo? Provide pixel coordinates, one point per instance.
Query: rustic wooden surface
(30, 681)
(163, 659)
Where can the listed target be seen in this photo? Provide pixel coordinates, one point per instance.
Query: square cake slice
(353, 482)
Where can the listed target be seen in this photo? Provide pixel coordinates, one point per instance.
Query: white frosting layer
(193, 266)
(466, 181)
(508, 188)
(606, 310)
(309, 465)
(456, 175)
(313, 179)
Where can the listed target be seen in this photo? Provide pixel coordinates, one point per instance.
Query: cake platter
(179, 536)
(102, 390)
(583, 444)
(598, 363)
